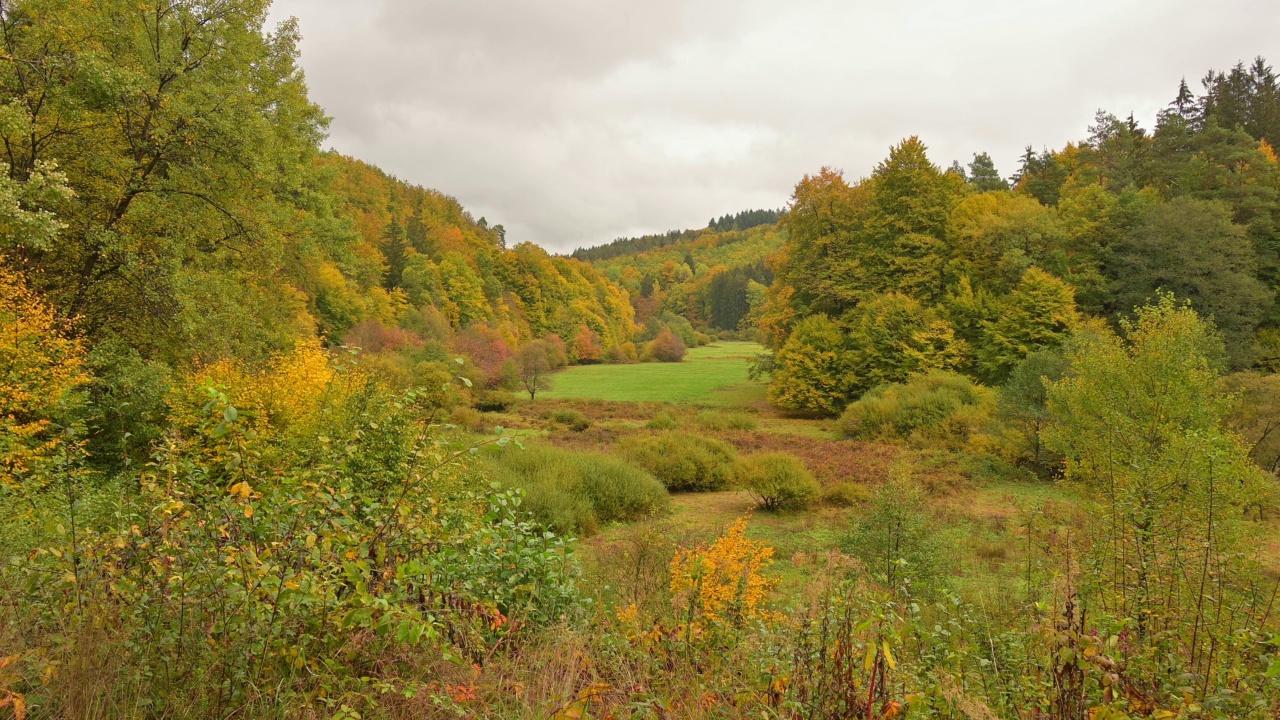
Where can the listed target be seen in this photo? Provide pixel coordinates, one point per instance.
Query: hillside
(713, 277)
(283, 436)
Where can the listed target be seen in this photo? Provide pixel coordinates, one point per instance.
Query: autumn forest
(285, 436)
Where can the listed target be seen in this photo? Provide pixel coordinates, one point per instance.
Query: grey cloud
(575, 121)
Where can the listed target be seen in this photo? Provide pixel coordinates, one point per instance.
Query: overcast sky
(573, 122)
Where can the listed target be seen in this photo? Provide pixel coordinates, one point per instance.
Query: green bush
(777, 481)
(570, 418)
(716, 420)
(467, 419)
(846, 494)
(682, 462)
(494, 400)
(937, 408)
(896, 541)
(576, 492)
(663, 421)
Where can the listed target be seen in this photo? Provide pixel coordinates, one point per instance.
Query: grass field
(714, 375)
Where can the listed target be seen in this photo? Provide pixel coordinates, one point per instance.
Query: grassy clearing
(713, 375)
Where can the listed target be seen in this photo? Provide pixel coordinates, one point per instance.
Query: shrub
(467, 419)
(846, 494)
(244, 555)
(663, 421)
(570, 418)
(937, 408)
(572, 492)
(682, 462)
(702, 339)
(895, 540)
(716, 420)
(494, 400)
(777, 481)
(667, 347)
(622, 354)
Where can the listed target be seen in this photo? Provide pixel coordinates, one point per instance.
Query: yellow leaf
(888, 656)
(248, 511)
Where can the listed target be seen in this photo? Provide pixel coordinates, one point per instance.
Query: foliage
(666, 347)
(535, 362)
(573, 419)
(895, 541)
(1140, 422)
(1023, 403)
(572, 492)
(1255, 415)
(777, 481)
(260, 539)
(662, 421)
(684, 463)
(811, 371)
(42, 373)
(938, 409)
(724, 582)
(1193, 249)
(845, 494)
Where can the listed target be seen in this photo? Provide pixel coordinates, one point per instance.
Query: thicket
(683, 462)
(286, 511)
(938, 409)
(777, 481)
(575, 493)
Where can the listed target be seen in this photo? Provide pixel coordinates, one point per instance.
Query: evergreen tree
(983, 174)
(395, 250)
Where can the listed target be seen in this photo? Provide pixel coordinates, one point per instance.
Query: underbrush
(937, 409)
(576, 492)
(684, 463)
(297, 533)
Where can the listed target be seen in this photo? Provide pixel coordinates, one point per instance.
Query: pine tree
(984, 176)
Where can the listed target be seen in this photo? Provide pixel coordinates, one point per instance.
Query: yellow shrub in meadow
(725, 581)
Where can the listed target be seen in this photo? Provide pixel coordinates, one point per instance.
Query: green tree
(1039, 314)
(182, 129)
(892, 337)
(1024, 398)
(983, 175)
(534, 361)
(1140, 423)
(1193, 249)
(811, 371)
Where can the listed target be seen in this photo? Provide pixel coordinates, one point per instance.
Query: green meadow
(711, 375)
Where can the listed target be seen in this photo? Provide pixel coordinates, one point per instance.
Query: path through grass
(712, 375)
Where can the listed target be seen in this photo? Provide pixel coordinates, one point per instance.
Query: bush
(467, 419)
(667, 347)
(576, 492)
(777, 481)
(570, 418)
(935, 409)
(663, 421)
(702, 339)
(494, 400)
(846, 494)
(896, 542)
(716, 420)
(682, 462)
(622, 354)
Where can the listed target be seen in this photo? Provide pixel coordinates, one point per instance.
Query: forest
(285, 436)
